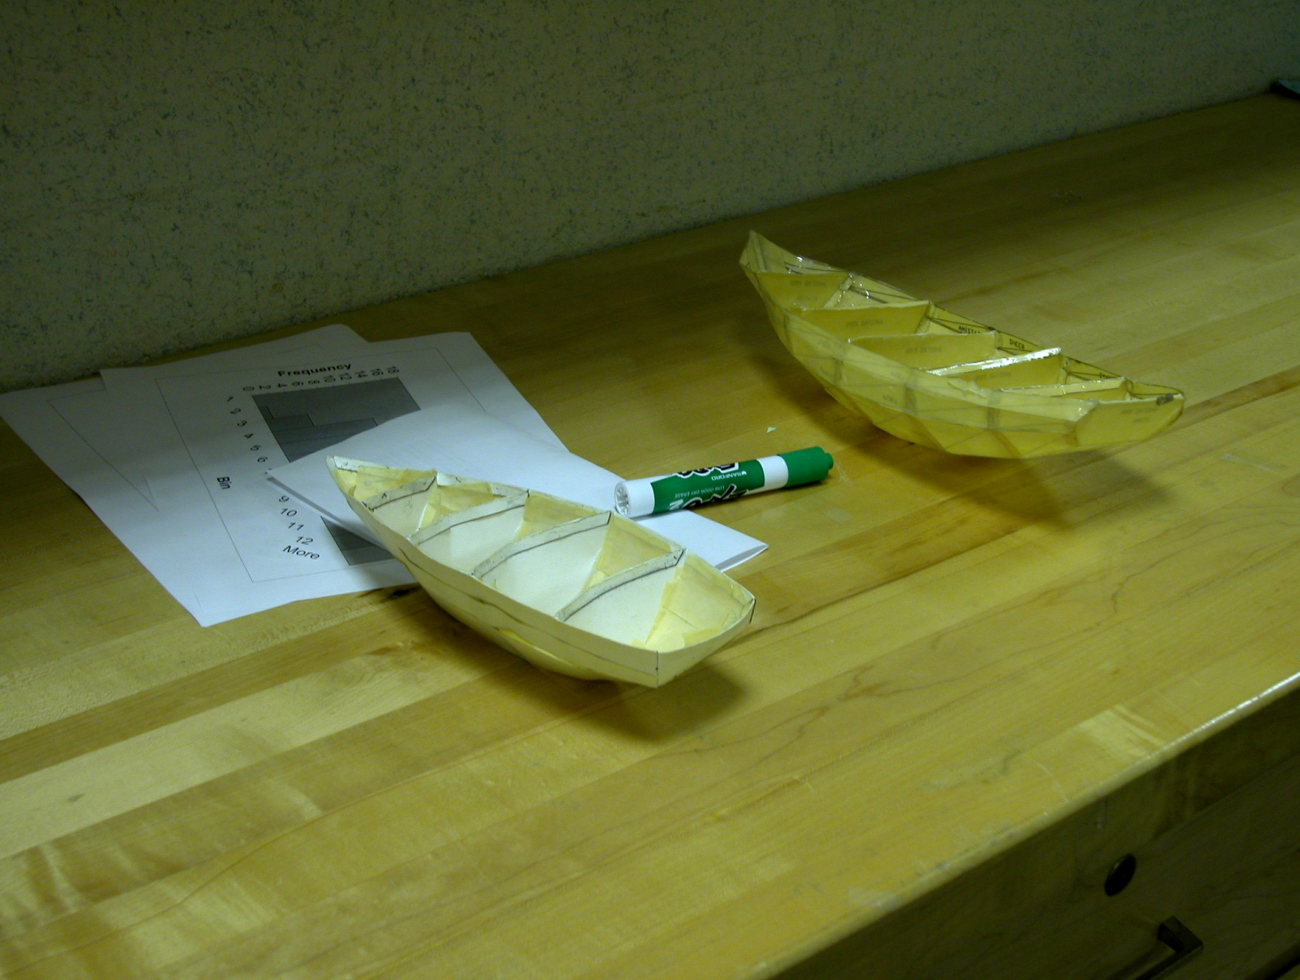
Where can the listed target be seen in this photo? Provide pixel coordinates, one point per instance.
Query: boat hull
(636, 607)
(935, 378)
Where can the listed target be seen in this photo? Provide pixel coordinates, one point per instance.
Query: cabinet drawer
(1232, 876)
(1215, 834)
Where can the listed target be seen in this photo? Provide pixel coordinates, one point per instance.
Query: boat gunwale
(865, 360)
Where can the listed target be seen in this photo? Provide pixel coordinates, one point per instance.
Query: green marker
(692, 488)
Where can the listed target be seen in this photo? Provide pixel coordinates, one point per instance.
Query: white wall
(175, 174)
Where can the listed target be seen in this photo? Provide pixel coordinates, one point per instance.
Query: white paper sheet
(130, 394)
(280, 552)
(458, 439)
(185, 557)
(170, 521)
(236, 426)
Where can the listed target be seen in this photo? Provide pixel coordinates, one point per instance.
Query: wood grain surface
(951, 658)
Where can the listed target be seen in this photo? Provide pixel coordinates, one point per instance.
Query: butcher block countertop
(970, 688)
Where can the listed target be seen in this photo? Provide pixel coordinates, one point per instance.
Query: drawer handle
(1181, 940)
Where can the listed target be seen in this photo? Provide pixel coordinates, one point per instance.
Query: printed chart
(238, 426)
(303, 420)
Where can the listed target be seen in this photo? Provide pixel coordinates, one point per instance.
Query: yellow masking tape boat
(933, 377)
(568, 587)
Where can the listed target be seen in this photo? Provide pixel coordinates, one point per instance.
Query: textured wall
(177, 173)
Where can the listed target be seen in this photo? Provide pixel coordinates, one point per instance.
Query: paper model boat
(568, 587)
(938, 379)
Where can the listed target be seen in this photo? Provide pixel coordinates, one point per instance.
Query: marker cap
(807, 465)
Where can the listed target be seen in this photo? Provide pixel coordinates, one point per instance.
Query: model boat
(939, 379)
(568, 587)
